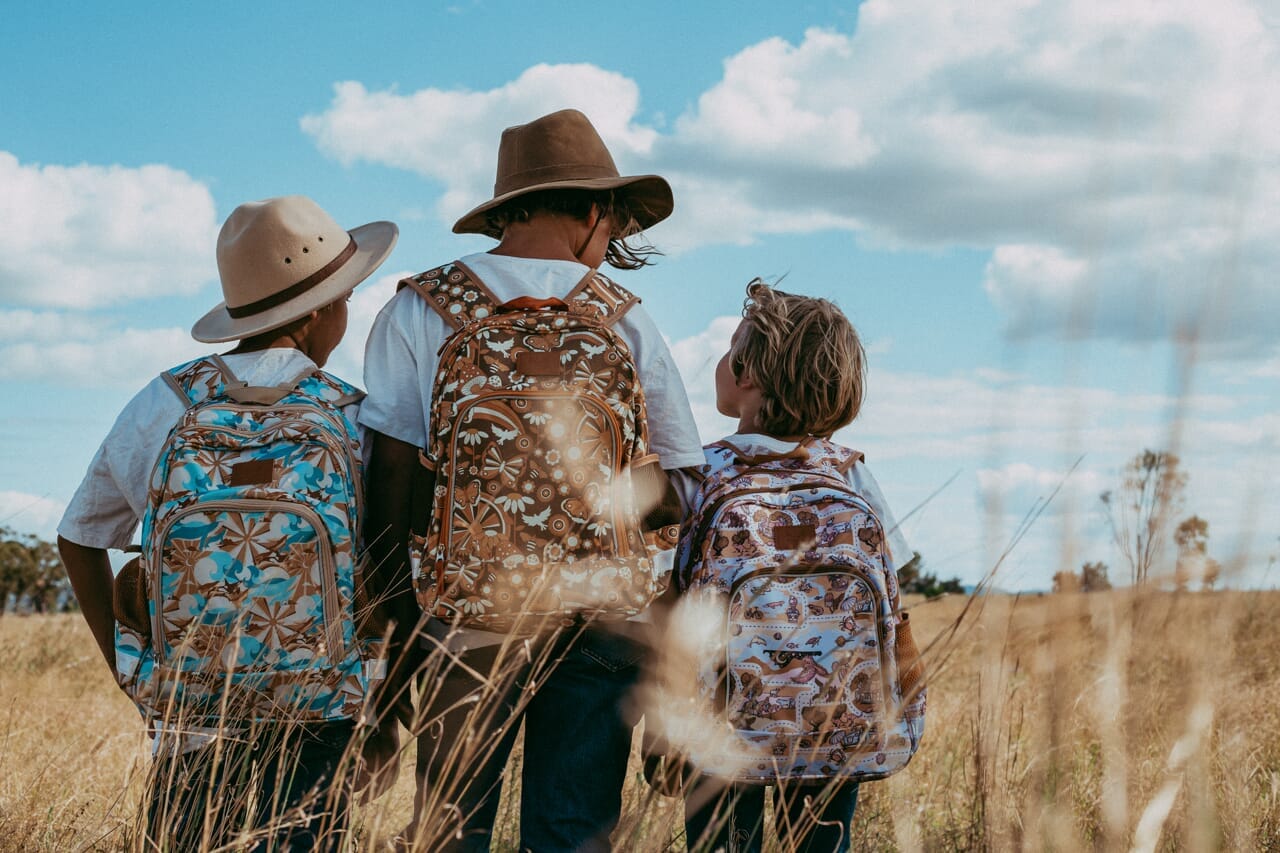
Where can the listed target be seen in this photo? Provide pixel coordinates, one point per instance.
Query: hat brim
(648, 197)
(374, 243)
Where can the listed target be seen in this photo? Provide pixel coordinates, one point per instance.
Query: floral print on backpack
(537, 423)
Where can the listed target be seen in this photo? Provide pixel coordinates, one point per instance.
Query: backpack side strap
(608, 297)
(472, 300)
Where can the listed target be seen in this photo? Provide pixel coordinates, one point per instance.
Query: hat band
(294, 290)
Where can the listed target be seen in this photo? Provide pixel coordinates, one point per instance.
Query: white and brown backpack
(812, 671)
(537, 425)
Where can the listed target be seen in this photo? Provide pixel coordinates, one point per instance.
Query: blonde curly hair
(806, 358)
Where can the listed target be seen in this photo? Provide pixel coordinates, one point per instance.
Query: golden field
(1060, 722)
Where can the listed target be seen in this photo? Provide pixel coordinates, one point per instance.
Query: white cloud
(26, 513)
(87, 236)
(69, 350)
(1018, 487)
(451, 136)
(1120, 160)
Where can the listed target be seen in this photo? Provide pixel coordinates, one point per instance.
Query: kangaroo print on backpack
(250, 557)
(809, 672)
(537, 421)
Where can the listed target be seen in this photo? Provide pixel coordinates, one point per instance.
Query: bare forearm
(393, 473)
(90, 573)
(389, 492)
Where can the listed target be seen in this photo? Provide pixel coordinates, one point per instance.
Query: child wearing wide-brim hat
(287, 269)
(560, 210)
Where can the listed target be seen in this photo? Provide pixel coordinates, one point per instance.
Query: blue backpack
(250, 558)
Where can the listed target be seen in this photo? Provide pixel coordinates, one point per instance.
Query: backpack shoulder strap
(825, 453)
(329, 388)
(455, 292)
(601, 293)
(197, 381)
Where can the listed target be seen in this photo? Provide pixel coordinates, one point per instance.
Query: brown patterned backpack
(537, 425)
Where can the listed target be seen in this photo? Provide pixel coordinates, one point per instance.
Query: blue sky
(1052, 222)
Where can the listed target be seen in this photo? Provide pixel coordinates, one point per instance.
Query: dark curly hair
(628, 247)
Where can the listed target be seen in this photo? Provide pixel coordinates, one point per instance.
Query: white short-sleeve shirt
(401, 357)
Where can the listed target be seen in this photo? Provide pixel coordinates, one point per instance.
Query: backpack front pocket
(245, 601)
(805, 677)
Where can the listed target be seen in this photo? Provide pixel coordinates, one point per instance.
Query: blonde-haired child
(794, 373)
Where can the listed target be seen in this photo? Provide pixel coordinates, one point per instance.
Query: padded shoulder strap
(330, 388)
(606, 296)
(197, 381)
(455, 292)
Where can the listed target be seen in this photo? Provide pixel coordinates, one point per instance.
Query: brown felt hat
(282, 258)
(563, 151)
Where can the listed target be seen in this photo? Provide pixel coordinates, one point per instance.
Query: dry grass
(1106, 721)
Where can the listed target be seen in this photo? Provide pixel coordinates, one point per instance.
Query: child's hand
(379, 762)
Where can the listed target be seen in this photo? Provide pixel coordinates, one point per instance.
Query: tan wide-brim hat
(282, 258)
(563, 151)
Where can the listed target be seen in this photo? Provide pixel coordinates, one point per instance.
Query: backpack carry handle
(530, 303)
(264, 395)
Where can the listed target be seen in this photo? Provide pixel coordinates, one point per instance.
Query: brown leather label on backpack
(792, 537)
(251, 472)
(539, 364)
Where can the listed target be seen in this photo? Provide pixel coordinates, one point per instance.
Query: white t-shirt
(108, 506)
(858, 478)
(400, 360)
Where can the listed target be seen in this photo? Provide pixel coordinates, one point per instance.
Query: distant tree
(1192, 534)
(1138, 512)
(912, 578)
(1212, 573)
(1194, 562)
(909, 572)
(1093, 577)
(30, 570)
(1065, 581)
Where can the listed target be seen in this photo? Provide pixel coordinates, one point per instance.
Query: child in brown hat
(560, 210)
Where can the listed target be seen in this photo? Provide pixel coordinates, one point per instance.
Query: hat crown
(562, 146)
(266, 247)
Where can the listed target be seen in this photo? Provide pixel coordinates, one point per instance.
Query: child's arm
(393, 467)
(90, 573)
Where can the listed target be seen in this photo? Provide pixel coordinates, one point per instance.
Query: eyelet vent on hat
(305, 250)
(288, 260)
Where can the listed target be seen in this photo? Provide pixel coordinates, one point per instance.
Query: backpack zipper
(344, 452)
(710, 514)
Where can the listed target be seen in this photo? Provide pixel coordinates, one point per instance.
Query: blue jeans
(808, 818)
(289, 782)
(576, 745)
